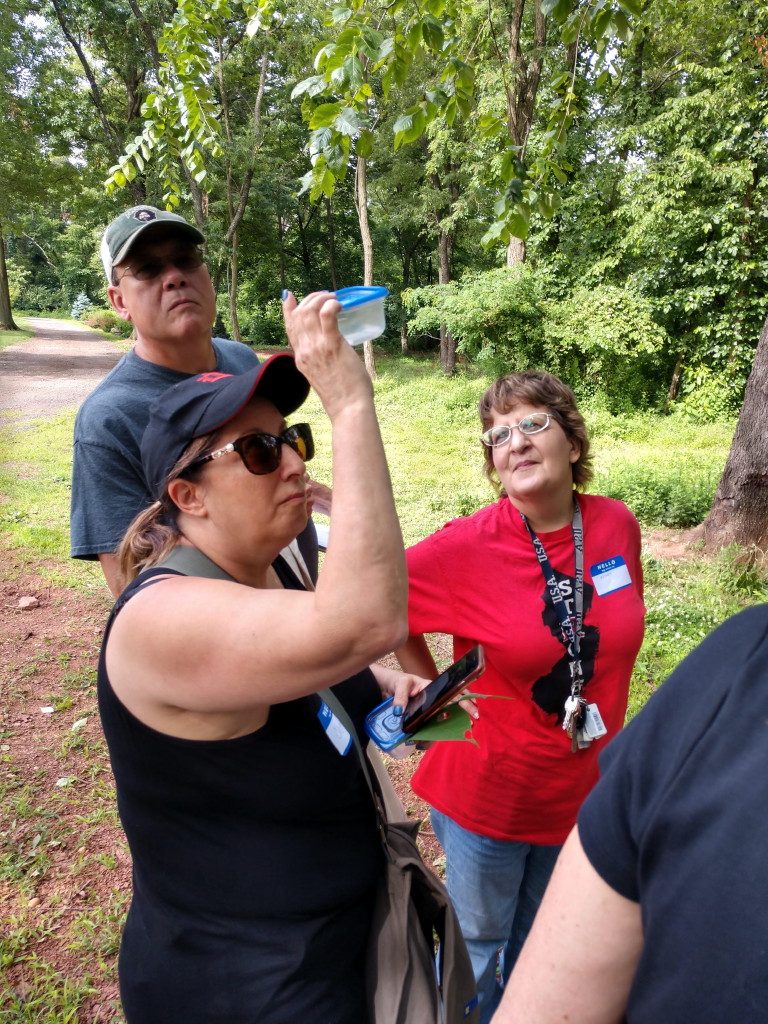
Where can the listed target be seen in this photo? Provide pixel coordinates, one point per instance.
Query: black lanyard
(570, 626)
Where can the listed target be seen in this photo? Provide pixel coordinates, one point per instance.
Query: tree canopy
(624, 142)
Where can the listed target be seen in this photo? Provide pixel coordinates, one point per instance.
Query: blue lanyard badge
(334, 730)
(610, 575)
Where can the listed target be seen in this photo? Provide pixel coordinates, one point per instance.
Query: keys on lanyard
(576, 710)
(575, 717)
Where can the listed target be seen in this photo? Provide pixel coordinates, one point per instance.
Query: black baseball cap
(202, 404)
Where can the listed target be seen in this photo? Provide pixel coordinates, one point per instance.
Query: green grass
(664, 468)
(14, 337)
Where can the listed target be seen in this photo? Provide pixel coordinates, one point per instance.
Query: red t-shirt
(478, 579)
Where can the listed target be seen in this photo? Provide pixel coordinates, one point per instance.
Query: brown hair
(537, 387)
(154, 532)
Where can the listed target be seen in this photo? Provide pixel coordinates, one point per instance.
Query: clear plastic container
(362, 315)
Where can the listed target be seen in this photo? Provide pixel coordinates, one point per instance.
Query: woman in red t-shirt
(551, 585)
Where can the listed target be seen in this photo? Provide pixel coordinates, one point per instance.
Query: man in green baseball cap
(158, 282)
(124, 230)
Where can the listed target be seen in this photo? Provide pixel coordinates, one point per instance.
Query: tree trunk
(331, 243)
(281, 238)
(674, 384)
(447, 341)
(233, 290)
(740, 511)
(522, 75)
(515, 252)
(6, 317)
(361, 202)
(406, 255)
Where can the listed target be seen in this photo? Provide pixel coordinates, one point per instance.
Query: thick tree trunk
(515, 252)
(740, 511)
(361, 201)
(6, 317)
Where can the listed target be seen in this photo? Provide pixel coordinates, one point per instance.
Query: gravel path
(52, 371)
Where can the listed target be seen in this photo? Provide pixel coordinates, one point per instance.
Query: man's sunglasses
(149, 269)
(261, 453)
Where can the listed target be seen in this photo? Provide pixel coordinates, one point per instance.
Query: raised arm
(212, 646)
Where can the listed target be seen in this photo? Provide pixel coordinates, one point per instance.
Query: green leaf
(414, 36)
(601, 26)
(558, 9)
(452, 723)
(311, 86)
(549, 204)
(519, 220)
(433, 34)
(364, 146)
(497, 232)
(569, 32)
(353, 72)
(409, 127)
(348, 122)
(324, 115)
(323, 185)
(621, 22)
(633, 7)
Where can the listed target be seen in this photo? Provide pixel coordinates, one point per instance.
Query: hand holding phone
(387, 729)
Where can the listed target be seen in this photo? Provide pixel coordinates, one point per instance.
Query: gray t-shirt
(108, 488)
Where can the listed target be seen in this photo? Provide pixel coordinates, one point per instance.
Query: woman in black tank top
(251, 828)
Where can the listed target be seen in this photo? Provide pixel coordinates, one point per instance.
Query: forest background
(577, 185)
(631, 157)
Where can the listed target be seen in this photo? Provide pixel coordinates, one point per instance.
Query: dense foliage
(646, 245)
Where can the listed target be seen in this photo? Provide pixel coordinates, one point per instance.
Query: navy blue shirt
(679, 823)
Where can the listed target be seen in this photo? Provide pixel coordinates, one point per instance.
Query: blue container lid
(359, 294)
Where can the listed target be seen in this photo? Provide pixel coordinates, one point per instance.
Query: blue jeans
(496, 886)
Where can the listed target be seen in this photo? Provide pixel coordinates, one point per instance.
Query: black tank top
(254, 862)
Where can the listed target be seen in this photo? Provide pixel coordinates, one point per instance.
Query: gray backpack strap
(188, 560)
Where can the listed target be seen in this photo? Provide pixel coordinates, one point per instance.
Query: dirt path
(54, 370)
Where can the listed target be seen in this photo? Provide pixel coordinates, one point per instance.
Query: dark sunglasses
(261, 453)
(149, 269)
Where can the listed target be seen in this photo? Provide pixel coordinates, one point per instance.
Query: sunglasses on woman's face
(261, 453)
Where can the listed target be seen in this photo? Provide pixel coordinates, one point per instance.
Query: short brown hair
(537, 387)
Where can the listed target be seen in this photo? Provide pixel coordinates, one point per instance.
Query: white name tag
(610, 575)
(334, 730)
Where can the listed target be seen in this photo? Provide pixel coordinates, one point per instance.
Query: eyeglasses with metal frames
(501, 433)
(261, 453)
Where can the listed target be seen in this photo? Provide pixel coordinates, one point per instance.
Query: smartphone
(387, 730)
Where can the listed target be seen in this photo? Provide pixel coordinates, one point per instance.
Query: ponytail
(149, 538)
(154, 533)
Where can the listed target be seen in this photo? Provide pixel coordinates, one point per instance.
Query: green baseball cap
(125, 229)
